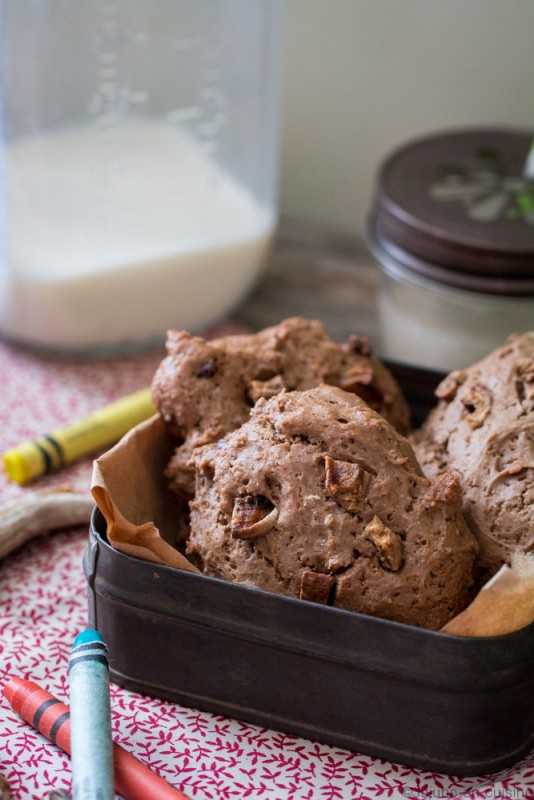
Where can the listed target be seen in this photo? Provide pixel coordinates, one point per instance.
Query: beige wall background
(362, 76)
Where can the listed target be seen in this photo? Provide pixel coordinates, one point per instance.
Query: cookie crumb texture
(482, 430)
(317, 496)
(205, 389)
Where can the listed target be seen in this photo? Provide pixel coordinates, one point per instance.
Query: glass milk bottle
(139, 166)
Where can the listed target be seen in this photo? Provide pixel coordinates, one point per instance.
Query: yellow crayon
(99, 430)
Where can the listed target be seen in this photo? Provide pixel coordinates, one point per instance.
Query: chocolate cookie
(204, 389)
(319, 497)
(482, 430)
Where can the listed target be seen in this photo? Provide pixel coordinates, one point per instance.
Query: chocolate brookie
(204, 389)
(482, 430)
(319, 497)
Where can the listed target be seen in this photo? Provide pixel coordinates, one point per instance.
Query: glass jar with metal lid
(452, 228)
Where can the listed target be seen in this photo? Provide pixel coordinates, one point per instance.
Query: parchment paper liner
(503, 605)
(128, 487)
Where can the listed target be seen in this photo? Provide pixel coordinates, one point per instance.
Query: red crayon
(49, 716)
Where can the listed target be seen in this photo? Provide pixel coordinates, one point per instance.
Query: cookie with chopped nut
(204, 389)
(317, 496)
(482, 430)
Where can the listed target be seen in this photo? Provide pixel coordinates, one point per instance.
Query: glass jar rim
(401, 265)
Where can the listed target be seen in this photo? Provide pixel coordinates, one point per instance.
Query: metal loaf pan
(429, 700)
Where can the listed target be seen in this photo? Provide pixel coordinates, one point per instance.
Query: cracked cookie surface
(204, 389)
(317, 496)
(482, 430)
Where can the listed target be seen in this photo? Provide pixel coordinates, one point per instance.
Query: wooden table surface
(317, 274)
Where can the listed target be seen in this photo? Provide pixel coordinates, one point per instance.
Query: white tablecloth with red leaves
(43, 605)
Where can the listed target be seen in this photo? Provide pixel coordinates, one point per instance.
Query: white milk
(113, 237)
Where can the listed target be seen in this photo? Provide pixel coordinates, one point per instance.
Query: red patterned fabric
(43, 606)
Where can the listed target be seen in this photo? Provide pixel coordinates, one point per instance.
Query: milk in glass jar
(139, 161)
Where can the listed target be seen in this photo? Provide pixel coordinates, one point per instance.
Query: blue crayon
(90, 719)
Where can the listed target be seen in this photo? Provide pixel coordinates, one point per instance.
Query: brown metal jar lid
(456, 208)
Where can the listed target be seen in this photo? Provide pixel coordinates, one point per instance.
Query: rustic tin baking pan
(434, 701)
